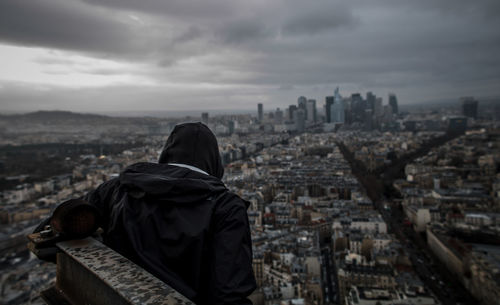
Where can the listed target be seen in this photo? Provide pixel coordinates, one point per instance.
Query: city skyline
(91, 56)
(378, 202)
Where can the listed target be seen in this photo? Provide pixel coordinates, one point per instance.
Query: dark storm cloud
(320, 20)
(485, 8)
(192, 33)
(199, 9)
(243, 31)
(416, 48)
(61, 24)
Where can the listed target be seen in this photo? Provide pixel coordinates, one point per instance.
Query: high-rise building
(278, 116)
(311, 111)
(291, 112)
(337, 110)
(469, 107)
(378, 109)
(302, 104)
(204, 118)
(300, 120)
(260, 112)
(388, 114)
(368, 119)
(393, 103)
(370, 101)
(328, 106)
(358, 106)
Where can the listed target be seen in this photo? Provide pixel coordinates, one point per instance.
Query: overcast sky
(113, 55)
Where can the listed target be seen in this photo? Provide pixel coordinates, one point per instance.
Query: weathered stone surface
(90, 272)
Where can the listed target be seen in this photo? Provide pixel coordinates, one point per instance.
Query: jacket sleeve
(232, 278)
(102, 198)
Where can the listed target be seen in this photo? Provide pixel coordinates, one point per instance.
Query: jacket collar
(193, 168)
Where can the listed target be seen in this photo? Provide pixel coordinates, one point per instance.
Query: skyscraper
(368, 123)
(370, 101)
(328, 107)
(278, 116)
(291, 112)
(388, 114)
(337, 109)
(311, 111)
(302, 104)
(260, 112)
(358, 106)
(378, 109)
(469, 107)
(393, 103)
(300, 120)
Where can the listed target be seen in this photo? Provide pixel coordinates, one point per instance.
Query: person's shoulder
(109, 184)
(228, 200)
(141, 166)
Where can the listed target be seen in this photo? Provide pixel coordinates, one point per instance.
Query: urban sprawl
(356, 203)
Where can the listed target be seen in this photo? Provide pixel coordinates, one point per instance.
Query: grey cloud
(200, 9)
(193, 32)
(101, 71)
(96, 31)
(54, 61)
(63, 66)
(318, 21)
(56, 72)
(464, 8)
(276, 48)
(61, 24)
(287, 87)
(242, 31)
(486, 8)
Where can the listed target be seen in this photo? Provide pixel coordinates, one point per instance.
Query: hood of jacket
(169, 182)
(193, 144)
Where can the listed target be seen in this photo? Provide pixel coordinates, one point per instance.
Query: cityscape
(359, 146)
(355, 199)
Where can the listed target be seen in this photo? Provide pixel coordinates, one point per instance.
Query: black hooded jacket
(181, 225)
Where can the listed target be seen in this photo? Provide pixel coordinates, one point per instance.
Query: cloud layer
(235, 52)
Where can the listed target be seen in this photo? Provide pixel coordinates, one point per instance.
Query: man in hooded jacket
(176, 219)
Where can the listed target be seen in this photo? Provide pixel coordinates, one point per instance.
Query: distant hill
(53, 115)
(44, 115)
(51, 118)
(67, 122)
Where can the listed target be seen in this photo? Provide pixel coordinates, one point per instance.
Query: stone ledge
(88, 272)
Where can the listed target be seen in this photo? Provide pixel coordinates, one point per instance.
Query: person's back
(177, 220)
